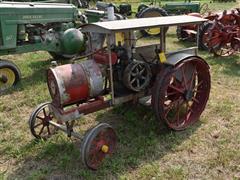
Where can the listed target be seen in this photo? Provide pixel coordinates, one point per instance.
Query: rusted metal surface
(82, 109)
(222, 37)
(94, 77)
(99, 142)
(180, 95)
(73, 83)
(102, 58)
(142, 23)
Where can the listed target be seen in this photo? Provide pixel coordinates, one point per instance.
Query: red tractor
(189, 32)
(223, 38)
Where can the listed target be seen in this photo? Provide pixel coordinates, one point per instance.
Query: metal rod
(64, 129)
(110, 66)
(198, 30)
(162, 40)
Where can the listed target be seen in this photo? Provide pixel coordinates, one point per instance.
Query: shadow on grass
(140, 141)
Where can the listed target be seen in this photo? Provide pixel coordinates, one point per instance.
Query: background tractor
(28, 27)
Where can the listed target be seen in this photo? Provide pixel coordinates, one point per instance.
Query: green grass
(208, 150)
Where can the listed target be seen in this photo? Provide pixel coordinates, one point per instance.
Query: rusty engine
(89, 77)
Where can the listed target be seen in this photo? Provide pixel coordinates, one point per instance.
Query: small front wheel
(39, 122)
(98, 142)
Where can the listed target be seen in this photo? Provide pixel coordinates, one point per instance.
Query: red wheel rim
(224, 50)
(94, 150)
(39, 122)
(184, 94)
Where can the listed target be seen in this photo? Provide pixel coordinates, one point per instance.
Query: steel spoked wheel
(97, 144)
(39, 122)
(137, 76)
(9, 75)
(181, 95)
(224, 50)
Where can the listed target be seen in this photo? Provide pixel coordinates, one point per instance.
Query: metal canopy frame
(109, 28)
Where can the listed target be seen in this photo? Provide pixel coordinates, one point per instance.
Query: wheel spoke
(172, 93)
(48, 129)
(183, 77)
(44, 112)
(141, 72)
(37, 125)
(41, 130)
(134, 79)
(39, 117)
(138, 83)
(176, 88)
(195, 100)
(192, 78)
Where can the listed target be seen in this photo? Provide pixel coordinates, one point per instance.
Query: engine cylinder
(73, 83)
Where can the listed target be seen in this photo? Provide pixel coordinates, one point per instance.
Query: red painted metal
(67, 84)
(74, 83)
(90, 106)
(102, 57)
(223, 39)
(180, 98)
(94, 154)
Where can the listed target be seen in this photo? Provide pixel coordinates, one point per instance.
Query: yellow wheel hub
(105, 148)
(153, 31)
(7, 78)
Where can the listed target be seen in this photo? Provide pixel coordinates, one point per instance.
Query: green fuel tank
(72, 41)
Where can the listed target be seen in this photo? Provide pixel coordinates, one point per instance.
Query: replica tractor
(115, 70)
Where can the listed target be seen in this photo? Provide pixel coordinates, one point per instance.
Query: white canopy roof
(141, 23)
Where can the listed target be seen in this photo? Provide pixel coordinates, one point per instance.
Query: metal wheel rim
(39, 122)
(7, 78)
(184, 95)
(224, 50)
(92, 155)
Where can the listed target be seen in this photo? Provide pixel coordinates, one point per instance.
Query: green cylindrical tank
(72, 41)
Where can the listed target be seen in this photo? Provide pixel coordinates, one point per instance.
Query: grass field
(208, 150)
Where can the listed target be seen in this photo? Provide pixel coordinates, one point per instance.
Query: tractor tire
(141, 7)
(152, 12)
(181, 35)
(203, 33)
(9, 75)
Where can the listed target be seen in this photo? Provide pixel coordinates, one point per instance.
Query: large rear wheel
(152, 12)
(181, 94)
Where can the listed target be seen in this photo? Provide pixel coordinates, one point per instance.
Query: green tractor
(28, 27)
(154, 10)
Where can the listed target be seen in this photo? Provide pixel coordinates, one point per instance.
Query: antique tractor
(226, 18)
(117, 71)
(28, 27)
(223, 37)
